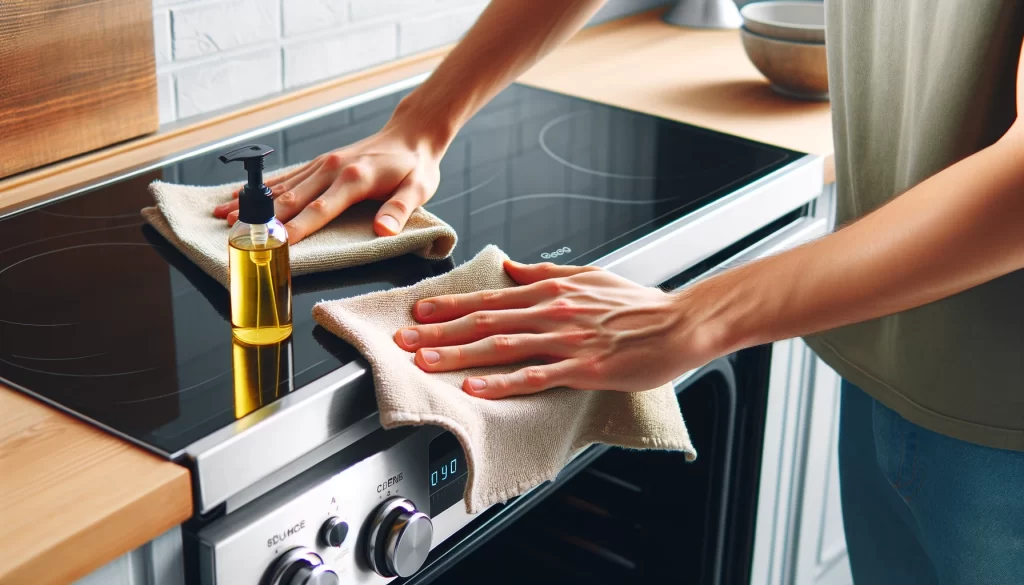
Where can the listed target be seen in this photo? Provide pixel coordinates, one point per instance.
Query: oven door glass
(635, 516)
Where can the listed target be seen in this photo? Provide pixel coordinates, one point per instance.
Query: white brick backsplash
(426, 32)
(208, 86)
(302, 16)
(165, 98)
(210, 27)
(349, 50)
(162, 36)
(394, 9)
(214, 54)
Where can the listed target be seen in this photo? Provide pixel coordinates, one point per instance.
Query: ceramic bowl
(794, 69)
(801, 21)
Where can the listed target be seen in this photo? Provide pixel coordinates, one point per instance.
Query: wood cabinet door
(74, 77)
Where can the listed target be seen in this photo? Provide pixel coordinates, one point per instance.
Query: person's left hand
(590, 329)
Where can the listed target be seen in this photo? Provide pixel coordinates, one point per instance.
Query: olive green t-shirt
(915, 86)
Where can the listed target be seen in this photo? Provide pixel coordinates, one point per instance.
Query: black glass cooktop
(101, 316)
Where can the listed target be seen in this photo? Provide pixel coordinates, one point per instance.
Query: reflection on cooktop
(102, 316)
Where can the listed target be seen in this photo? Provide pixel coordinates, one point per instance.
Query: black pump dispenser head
(255, 205)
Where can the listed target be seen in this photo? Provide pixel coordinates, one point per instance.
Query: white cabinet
(820, 543)
(799, 535)
(158, 562)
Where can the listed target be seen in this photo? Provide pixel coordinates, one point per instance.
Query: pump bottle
(260, 277)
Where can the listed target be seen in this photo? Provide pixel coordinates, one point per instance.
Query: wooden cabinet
(75, 76)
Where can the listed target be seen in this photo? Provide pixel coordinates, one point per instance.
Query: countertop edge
(55, 532)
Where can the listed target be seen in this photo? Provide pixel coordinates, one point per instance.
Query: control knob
(334, 531)
(301, 566)
(399, 539)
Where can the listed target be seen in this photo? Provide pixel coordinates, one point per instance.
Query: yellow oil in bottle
(260, 282)
(262, 374)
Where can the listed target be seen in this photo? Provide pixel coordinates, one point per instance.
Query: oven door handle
(800, 231)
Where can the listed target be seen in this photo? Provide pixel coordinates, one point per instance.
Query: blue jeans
(921, 507)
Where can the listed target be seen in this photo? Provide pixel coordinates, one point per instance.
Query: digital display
(446, 474)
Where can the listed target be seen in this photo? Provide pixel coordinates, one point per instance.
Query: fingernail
(431, 357)
(426, 309)
(477, 384)
(389, 222)
(410, 336)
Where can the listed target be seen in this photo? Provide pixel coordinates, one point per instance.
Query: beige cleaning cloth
(512, 444)
(184, 216)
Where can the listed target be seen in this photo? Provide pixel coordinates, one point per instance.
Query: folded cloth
(184, 216)
(512, 444)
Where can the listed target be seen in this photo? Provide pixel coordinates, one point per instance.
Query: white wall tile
(211, 27)
(392, 9)
(162, 36)
(213, 54)
(449, 4)
(350, 49)
(426, 32)
(165, 98)
(212, 85)
(302, 16)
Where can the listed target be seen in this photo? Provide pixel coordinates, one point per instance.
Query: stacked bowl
(785, 40)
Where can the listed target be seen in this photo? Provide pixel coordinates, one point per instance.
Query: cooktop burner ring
(576, 196)
(66, 375)
(19, 324)
(542, 138)
(49, 252)
(462, 194)
(55, 359)
(178, 392)
(69, 234)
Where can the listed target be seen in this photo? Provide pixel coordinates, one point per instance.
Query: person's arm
(960, 228)
(509, 38)
(400, 163)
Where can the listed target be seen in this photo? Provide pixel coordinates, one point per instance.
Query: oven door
(623, 516)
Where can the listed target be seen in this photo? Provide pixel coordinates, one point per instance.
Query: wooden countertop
(72, 497)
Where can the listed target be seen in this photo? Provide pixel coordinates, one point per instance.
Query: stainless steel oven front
(369, 514)
(365, 515)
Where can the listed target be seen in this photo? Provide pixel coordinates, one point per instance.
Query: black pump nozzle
(255, 205)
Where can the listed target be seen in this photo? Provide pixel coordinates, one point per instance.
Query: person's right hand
(388, 165)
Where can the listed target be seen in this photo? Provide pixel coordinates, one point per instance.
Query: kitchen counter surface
(72, 497)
